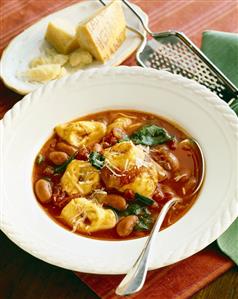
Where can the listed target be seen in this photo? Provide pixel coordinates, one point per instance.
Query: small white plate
(30, 44)
(201, 113)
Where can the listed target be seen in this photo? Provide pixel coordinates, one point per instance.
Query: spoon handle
(127, 3)
(135, 278)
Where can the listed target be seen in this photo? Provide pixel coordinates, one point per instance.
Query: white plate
(29, 44)
(197, 110)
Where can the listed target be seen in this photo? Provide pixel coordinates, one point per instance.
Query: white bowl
(201, 113)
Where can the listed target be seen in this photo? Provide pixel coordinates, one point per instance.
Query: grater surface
(172, 54)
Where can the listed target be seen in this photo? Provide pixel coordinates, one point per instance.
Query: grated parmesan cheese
(42, 73)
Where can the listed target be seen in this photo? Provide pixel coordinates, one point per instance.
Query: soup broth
(107, 175)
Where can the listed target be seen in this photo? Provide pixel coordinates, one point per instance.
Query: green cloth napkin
(222, 49)
(228, 242)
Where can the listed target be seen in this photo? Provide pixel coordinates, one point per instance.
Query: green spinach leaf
(61, 168)
(97, 160)
(133, 209)
(150, 135)
(144, 200)
(144, 223)
(143, 214)
(126, 138)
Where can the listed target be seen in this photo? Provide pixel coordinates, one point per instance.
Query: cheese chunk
(80, 58)
(103, 33)
(49, 59)
(63, 72)
(43, 72)
(61, 35)
(87, 216)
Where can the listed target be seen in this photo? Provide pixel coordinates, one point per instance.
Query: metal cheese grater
(174, 52)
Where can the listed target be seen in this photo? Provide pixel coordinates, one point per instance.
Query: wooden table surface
(25, 277)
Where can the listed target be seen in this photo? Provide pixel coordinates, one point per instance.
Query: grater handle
(138, 16)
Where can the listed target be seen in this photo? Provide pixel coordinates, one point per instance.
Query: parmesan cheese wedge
(61, 35)
(103, 33)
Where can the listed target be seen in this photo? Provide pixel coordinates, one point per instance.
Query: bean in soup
(108, 175)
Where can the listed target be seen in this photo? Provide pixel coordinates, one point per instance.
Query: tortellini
(145, 183)
(80, 177)
(126, 156)
(87, 216)
(81, 133)
(121, 122)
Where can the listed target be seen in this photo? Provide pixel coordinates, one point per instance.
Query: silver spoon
(135, 278)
